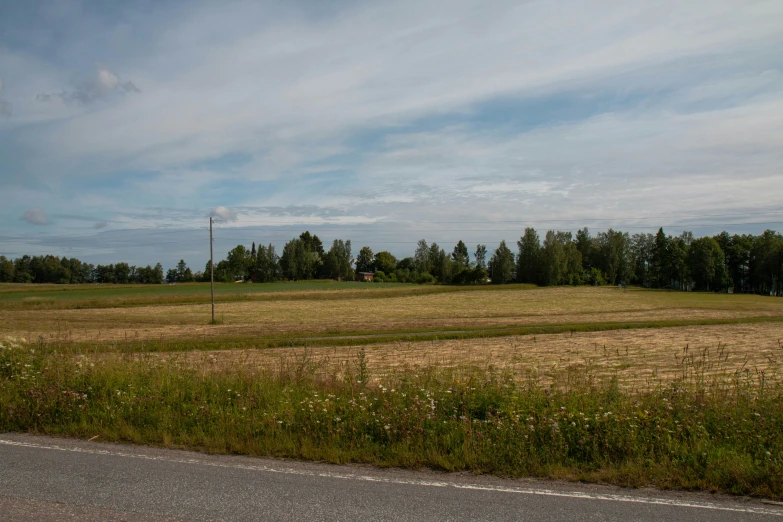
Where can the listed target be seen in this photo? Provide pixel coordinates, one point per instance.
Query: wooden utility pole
(211, 271)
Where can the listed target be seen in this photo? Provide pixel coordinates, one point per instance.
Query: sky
(125, 125)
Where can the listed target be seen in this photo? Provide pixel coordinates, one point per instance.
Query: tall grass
(720, 431)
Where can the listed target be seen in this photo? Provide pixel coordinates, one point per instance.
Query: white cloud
(298, 81)
(697, 123)
(35, 216)
(107, 79)
(223, 214)
(101, 85)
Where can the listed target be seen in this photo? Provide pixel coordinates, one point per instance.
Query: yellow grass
(435, 312)
(637, 357)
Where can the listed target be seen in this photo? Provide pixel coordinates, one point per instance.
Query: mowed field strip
(303, 314)
(637, 357)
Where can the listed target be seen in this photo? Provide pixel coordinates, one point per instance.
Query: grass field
(45, 296)
(514, 380)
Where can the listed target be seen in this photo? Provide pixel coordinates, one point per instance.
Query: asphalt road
(45, 479)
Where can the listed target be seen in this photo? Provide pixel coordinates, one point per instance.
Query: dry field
(638, 358)
(681, 390)
(455, 310)
(649, 349)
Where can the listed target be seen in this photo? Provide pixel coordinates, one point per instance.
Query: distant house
(365, 276)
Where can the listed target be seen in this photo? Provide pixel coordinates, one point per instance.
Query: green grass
(18, 292)
(48, 297)
(720, 433)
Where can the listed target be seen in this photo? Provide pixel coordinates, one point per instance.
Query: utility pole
(211, 271)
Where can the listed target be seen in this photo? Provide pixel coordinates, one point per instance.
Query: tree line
(739, 263)
(53, 269)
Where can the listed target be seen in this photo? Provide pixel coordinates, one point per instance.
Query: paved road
(43, 479)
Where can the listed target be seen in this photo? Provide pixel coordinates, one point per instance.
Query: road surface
(45, 479)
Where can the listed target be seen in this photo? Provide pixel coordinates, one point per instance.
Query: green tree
(184, 274)
(614, 252)
(501, 266)
(679, 270)
(6, 270)
(766, 264)
(529, 258)
(439, 268)
(338, 260)
(23, 269)
(642, 251)
(421, 258)
(707, 265)
(460, 256)
(384, 262)
(739, 252)
(661, 269)
(481, 256)
(584, 244)
(267, 264)
(122, 273)
(238, 263)
(365, 261)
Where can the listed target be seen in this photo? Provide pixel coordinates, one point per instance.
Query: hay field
(460, 327)
(352, 313)
(631, 387)
(638, 357)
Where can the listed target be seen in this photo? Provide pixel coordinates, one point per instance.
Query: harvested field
(631, 387)
(639, 358)
(471, 309)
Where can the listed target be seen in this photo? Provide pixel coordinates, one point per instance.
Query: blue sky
(124, 125)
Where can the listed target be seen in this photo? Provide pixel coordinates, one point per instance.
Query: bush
(595, 277)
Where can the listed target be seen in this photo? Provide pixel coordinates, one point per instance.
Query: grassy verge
(723, 432)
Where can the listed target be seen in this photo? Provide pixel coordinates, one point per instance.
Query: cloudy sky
(124, 125)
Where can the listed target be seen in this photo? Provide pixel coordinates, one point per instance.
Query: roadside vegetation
(622, 385)
(710, 427)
